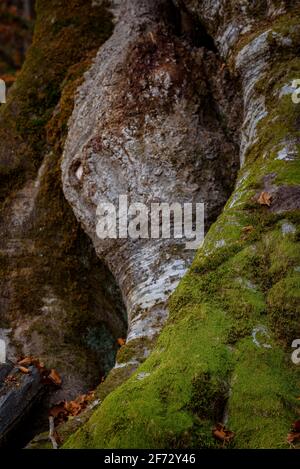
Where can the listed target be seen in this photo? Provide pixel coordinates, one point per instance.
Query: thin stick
(51, 433)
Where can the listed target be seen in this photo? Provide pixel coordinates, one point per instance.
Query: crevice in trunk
(188, 26)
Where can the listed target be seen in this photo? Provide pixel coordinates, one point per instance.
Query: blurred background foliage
(16, 27)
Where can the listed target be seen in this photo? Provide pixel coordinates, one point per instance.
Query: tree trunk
(224, 354)
(186, 101)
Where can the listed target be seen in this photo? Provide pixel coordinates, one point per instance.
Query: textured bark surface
(156, 119)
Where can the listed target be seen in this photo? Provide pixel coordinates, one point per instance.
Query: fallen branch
(19, 392)
(52, 433)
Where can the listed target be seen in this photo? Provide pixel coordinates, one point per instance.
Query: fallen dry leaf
(73, 408)
(10, 379)
(61, 411)
(248, 229)
(40, 365)
(58, 410)
(54, 377)
(121, 341)
(9, 79)
(296, 426)
(293, 437)
(23, 370)
(25, 361)
(265, 199)
(90, 396)
(219, 435)
(222, 434)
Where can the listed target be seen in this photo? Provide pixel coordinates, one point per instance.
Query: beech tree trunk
(182, 101)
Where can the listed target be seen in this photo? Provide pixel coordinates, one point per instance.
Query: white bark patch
(287, 154)
(131, 362)
(286, 90)
(235, 200)
(142, 375)
(256, 112)
(252, 62)
(221, 243)
(2, 92)
(228, 39)
(260, 337)
(287, 228)
(152, 290)
(2, 351)
(79, 172)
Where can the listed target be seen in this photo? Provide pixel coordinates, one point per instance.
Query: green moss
(135, 350)
(284, 307)
(38, 89)
(162, 405)
(192, 367)
(263, 397)
(208, 397)
(40, 442)
(116, 377)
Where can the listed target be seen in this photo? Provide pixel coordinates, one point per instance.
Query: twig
(51, 433)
